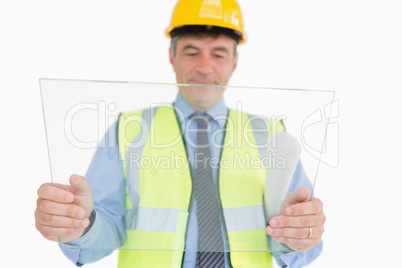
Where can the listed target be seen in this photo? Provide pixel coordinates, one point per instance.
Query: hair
(198, 35)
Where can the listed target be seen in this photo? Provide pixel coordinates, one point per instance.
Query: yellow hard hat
(224, 15)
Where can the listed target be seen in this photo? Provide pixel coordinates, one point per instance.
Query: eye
(191, 54)
(219, 56)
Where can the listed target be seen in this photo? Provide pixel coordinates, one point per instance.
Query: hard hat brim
(186, 29)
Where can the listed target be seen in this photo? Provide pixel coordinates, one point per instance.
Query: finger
(297, 222)
(79, 185)
(299, 233)
(60, 209)
(61, 221)
(48, 191)
(307, 208)
(300, 244)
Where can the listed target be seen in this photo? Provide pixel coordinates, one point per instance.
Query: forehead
(207, 42)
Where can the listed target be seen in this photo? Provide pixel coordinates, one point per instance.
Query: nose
(205, 65)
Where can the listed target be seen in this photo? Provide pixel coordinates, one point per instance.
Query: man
(157, 216)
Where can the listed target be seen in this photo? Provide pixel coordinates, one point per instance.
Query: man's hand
(300, 223)
(63, 211)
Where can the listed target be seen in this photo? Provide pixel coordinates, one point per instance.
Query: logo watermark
(180, 162)
(319, 135)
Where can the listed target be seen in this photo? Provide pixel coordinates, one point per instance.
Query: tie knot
(202, 120)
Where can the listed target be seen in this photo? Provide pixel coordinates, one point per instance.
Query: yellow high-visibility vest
(158, 194)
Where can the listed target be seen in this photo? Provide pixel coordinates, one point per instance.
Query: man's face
(209, 61)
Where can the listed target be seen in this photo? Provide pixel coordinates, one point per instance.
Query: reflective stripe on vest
(158, 199)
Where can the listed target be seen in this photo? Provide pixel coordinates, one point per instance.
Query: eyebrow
(223, 49)
(190, 47)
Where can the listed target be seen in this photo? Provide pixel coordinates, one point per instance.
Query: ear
(235, 62)
(171, 57)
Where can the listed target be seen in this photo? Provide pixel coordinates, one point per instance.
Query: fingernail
(270, 230)
(289, 211)
(81, 214)
(274, 223)
(84, 223)
(69, 198)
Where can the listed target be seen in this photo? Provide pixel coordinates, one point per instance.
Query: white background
(352, 47)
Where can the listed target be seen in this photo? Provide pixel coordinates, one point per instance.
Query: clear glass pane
(78, 115)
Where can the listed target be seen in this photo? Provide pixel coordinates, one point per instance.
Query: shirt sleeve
(294, 259)
(106, 179)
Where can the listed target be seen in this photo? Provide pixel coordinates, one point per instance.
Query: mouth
(197, 82)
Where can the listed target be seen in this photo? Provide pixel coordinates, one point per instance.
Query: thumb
(82, 194)
(301, 195)
(79, 185)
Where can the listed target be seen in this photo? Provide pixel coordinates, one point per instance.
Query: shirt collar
(218, 112)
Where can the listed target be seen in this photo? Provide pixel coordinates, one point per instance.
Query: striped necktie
(210, 239)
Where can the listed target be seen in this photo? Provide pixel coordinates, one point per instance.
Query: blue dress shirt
(106, 178)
